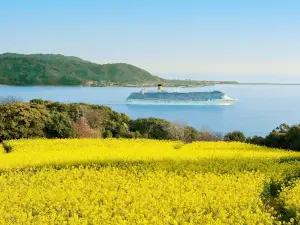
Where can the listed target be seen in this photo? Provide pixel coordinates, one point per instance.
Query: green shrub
(153, 128)
(59, 126)
(293, 138)
(235, 136)
(21, 120)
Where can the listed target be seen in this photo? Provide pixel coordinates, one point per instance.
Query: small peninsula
(60, 70)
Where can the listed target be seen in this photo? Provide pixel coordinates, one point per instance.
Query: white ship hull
(161, 102)
(176, 98)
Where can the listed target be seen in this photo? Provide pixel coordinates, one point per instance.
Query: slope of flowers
(112, 195)
(141, 182)
(26, 153)
(291, 198)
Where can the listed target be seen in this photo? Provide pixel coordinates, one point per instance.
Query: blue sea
(259, 110)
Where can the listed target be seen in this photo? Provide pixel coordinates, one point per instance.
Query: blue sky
(180, 39)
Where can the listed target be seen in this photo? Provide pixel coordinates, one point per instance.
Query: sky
(253, 40)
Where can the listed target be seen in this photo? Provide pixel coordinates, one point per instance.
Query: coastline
(148, 85)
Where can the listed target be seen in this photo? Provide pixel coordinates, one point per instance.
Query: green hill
(54, 69)
(50, 69)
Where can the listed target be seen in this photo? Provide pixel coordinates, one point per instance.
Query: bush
(59, 126)
(153, 128)
(256, 140)
(276, 140)
(38, 101)
(293, 138)
(235, 136)
(21, 120)
(107, 134)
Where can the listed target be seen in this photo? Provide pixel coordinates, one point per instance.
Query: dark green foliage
(40, 118)
(235, 136)
(107, 134)
(37, 101)
(256, 140)
(276, 140)
(20, 120)
(59, 126)
(293, 138)
(57, 107)
(153, 128)
(100, 118)
(116, 123)
(284, 137)
(277, 137)
(70, 80)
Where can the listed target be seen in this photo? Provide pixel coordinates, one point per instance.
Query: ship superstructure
(162, 97)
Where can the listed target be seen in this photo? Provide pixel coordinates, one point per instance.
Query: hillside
(49, 69)
(52, 69)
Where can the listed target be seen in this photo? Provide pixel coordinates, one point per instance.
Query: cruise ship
(162, 97)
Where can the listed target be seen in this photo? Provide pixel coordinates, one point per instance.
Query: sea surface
(259, 110)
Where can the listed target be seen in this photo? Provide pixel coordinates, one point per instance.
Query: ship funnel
(159, 87)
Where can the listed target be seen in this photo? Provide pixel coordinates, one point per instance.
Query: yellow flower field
(30, 153)
(290, 196)
(123, 181)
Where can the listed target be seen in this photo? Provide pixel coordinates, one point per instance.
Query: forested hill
(50, 69)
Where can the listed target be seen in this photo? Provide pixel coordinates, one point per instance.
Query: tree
(152, 128)
(22, 120)
(276, 140)
(95, 118)
(293, 138)
(107, 134)
(83, 130)
(190, 134)
(74, 111)
(235, 136)
(59, 126)
(256, 140)
(283, 128)
(277, 137)
(37, 101)
(57, 107)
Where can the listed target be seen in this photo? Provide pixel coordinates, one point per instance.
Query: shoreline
(149, 86)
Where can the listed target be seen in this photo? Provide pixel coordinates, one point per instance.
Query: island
(60, 70)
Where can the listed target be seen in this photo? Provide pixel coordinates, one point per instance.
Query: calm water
(259, 110)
